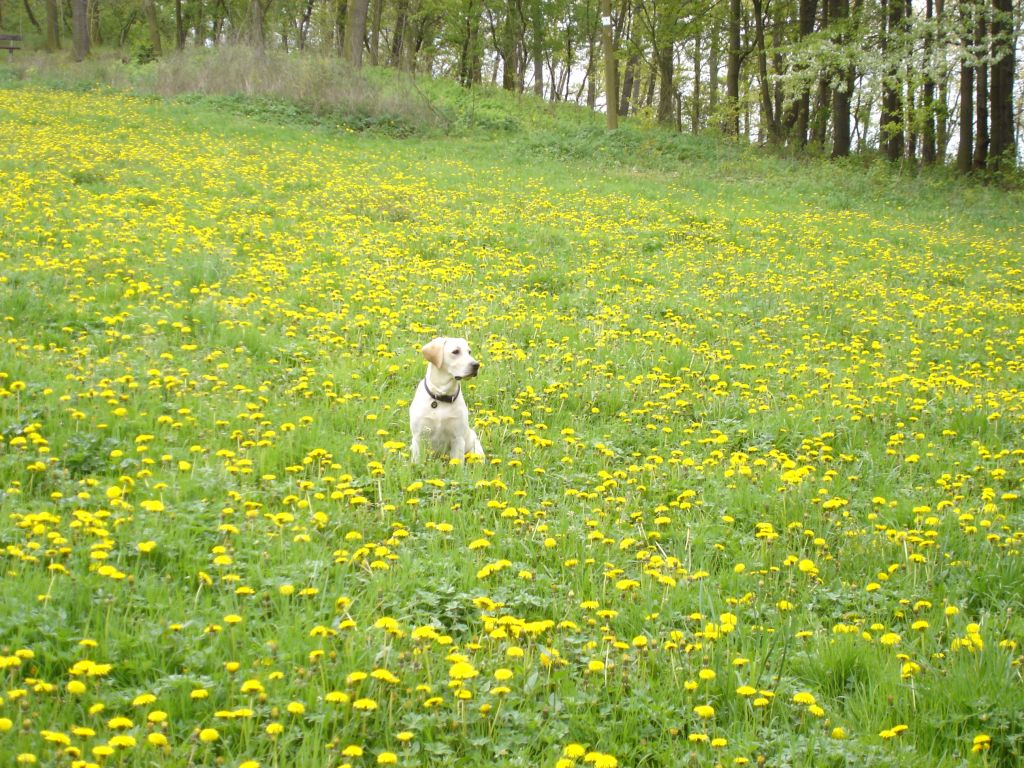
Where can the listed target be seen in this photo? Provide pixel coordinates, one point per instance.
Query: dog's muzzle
(473, 372)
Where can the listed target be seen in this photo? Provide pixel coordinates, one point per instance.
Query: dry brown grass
(104, 67)
(320, 85)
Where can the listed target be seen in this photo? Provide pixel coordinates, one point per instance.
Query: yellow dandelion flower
(462, 670)
(574, 751)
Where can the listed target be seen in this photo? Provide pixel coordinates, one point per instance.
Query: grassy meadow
(754, 434)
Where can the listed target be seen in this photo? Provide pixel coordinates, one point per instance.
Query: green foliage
(144, 53)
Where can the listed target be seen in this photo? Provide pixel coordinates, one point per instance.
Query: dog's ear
(434, 352)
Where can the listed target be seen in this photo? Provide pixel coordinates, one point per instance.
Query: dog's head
(451, 356)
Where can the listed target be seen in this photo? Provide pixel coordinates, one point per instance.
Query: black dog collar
(435, 399)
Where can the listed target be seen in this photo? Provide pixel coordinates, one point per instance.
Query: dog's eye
(456, 351)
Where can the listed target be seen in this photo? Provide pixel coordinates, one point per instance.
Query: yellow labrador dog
(438, 415)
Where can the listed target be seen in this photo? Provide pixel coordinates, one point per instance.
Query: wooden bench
(10, 42)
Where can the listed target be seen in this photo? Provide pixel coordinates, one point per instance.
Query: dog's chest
(444, 419)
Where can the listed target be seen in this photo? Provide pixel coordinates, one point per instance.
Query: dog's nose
(476, 366)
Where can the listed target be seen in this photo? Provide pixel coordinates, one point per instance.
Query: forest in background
(919, 81)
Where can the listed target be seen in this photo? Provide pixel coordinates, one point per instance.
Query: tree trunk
(981, 99)
(257, 34)
(861, 132)
(620, 27)
(355, 31)
(808, 9)
(307, 15)
(570, 63)
(476, 54)
(197, 22)
(627, 84)
(401, 16)
(122, 36)
(219, 19)
(928, 127)
(611, 89)
(509, 48)
(180, 26)
(965, 150)
(787, 118)
(713, 68)
(910, 122)
(79, 30)
(338, 28)
(469, 56)
(409, 49)
(767, 108)
(1002, 148)
(625, 79)
(981, 124)
(464, 53)
(537, 17)
(731, 124)
(666, 90)
(95, 29)
(591, 80)
(378, 12)
(890, 125)
(941, 108)
(152, 26)
(420, 37)
(819, 118)
(52, 26)
(841, 119)
(802, 120)
(32, 17)
(509, 71)
(695, 114)
(839, 11)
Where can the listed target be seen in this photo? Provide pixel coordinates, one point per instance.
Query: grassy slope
(677, 350)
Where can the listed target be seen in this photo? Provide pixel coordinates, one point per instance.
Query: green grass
(218, 307)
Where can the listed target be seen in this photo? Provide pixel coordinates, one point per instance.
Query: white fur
(444, 429)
